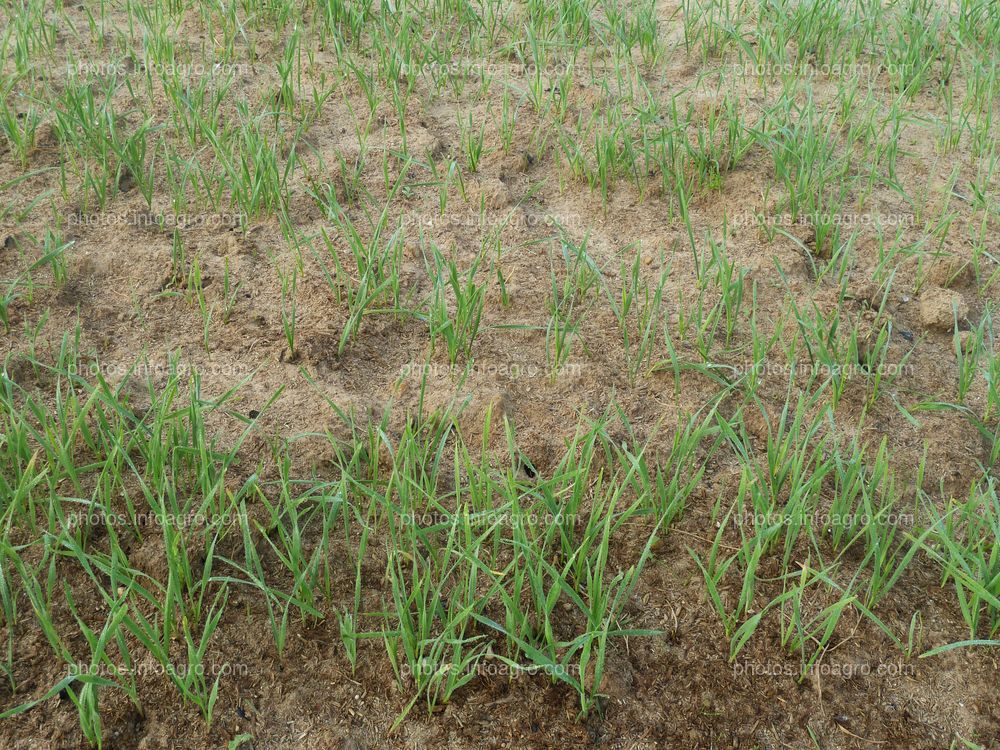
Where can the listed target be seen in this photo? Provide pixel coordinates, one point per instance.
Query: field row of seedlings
(419, 373)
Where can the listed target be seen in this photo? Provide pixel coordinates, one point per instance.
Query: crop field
(421, 374)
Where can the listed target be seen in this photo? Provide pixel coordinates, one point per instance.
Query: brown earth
(673, 690)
